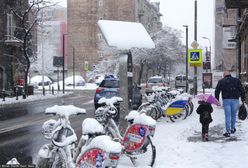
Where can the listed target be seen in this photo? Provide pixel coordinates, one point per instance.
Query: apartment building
(10, 49)
(83, 33)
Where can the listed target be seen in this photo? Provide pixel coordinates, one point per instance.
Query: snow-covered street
(179, 144)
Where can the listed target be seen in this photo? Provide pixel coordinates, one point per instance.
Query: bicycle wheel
(60, 159)
(180, 116)
(146, 156)
(191, 105)
(150, 110)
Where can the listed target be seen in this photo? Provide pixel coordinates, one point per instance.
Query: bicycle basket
(48, 127)
(100, 115)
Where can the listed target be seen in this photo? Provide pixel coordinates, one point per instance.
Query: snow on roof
(125, 35)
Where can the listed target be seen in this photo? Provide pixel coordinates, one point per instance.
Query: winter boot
(227, 134)
(233, 130)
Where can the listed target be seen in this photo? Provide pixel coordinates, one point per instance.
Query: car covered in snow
(79, 80)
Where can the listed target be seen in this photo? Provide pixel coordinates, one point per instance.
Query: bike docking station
(124, 36)
(97, 146)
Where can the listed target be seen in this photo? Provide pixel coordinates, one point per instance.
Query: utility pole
(186, 59)
(195, 38)
(63, 62)
(73, 62)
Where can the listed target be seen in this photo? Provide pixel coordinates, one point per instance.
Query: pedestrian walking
(204, 110)
(231, 89)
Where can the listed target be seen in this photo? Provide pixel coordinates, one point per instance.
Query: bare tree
(28, 17)
(167, 54)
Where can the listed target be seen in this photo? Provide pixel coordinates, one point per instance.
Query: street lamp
(186, 50)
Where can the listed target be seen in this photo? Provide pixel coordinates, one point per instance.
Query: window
(100, 2)
(100, 36)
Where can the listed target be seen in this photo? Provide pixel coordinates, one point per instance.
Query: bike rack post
(3, 95)
(16, 92)
(43, 90)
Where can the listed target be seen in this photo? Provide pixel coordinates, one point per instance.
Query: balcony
(236, 4)
(13, 41)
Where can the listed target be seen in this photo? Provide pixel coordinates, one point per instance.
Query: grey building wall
(225, 30)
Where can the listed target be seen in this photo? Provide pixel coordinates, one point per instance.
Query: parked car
(79, 81)
(110, 86)
(37, 80)
(155, 81)
(180, 81)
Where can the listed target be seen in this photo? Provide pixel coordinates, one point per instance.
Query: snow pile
(179, 144)
(79, 80)
(104, 142)
(12, 100)
(111, 101)
(145, 120)
(65, 111)
(125, 35)
(132, 114)
(91, 126)
(13, 161)
(38, 79)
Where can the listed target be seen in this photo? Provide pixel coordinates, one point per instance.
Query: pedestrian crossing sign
(195, 57)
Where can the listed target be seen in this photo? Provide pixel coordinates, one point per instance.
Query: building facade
(84, 35)
(10, 44)
(241, 36)
(50, 44)
(225, 56)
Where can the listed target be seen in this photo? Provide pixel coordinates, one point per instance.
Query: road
(20, 130)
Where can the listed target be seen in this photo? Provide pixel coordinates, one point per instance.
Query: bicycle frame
(137, 133)
(88, 151)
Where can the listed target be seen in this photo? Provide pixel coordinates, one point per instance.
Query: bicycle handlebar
(65, 111)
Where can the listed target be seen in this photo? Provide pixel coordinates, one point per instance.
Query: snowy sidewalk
(179, 144)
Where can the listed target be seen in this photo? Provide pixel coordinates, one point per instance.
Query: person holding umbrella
(231, 89)
(204, 110)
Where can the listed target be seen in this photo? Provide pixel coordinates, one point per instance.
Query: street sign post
(195, 57)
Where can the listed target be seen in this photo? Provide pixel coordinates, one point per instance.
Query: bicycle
(62, 153)
(137, 143)
(162, 103)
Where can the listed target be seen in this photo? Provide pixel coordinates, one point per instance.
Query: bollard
(16, 93)
(58, 88)
(23, 93)
(43, 90)
(3, 95)
(52, 90)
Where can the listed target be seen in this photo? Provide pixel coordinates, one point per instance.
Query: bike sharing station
(124, 36)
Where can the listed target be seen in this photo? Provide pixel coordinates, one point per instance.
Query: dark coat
(230, 87)
(205, 110)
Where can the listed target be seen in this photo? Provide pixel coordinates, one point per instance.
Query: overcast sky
(177, 13)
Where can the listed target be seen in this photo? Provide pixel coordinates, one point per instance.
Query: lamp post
(63, 62)
(186, 59)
